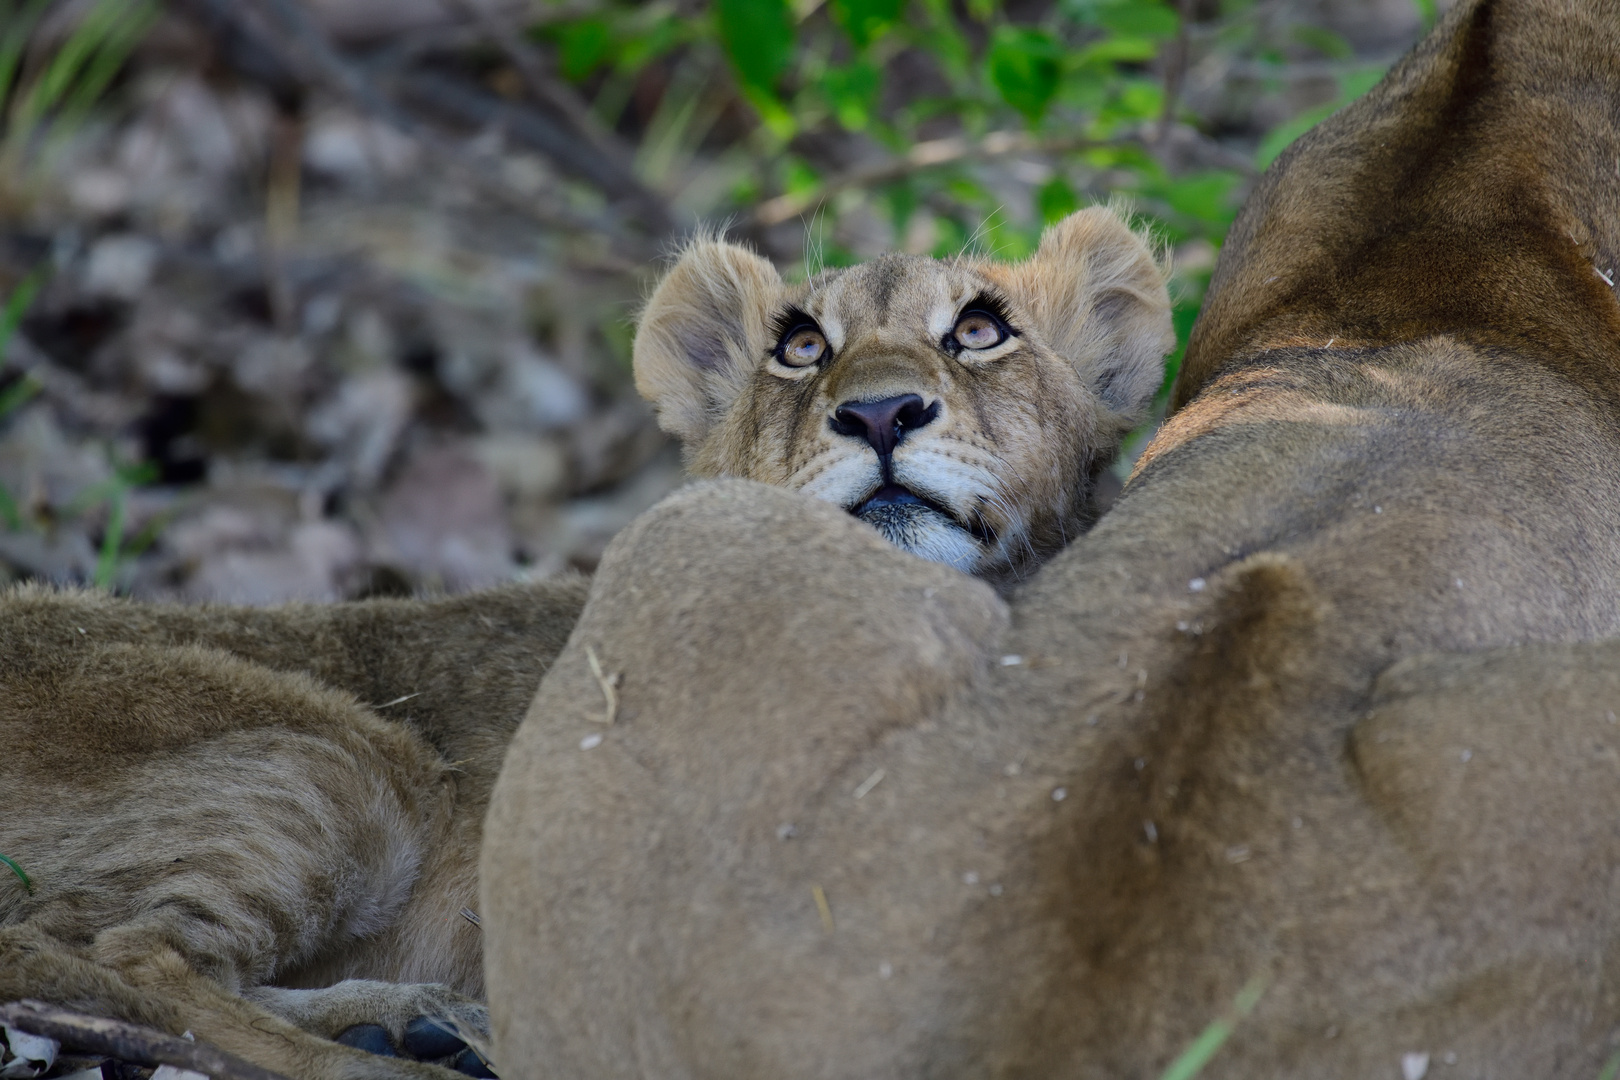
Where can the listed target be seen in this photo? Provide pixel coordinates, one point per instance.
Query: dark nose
(883, 423)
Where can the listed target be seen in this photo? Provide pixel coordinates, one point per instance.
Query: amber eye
(802, 347)
(979, 330)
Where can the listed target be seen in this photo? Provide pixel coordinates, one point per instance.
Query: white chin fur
(928, 535)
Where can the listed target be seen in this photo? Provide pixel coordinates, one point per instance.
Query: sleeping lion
(263, 826)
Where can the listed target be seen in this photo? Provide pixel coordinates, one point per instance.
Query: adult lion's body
(860, 818)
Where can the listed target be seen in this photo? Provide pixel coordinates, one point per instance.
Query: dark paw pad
(472, 1065)
(371, 1038)
(427, 1039)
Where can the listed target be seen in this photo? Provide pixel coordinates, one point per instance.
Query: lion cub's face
(963, 408)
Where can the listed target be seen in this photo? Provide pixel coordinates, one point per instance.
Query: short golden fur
(260, 826)
(1004, 442)
(862, 818)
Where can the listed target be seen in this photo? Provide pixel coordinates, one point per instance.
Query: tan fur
(1020, 434)
(260, 826)
(1209, 742)
(243, 820)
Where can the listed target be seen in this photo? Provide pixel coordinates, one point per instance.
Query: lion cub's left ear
(703, 334)
(1099, 297)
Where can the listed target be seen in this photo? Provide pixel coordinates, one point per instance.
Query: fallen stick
(128, 1042)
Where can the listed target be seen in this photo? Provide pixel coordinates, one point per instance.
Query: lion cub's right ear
(703, 334)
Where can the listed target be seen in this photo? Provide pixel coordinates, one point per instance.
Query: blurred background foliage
(331, 298)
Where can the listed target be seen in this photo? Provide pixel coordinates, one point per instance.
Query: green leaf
(942, 37)
(1024, 67)
(902, 200)
(866, 20)
(1138, 18)
(1325, 41)
(950, 237)
(637, 51)
(1353, 86)
(28, 886)
(1139, 99)
(758, 38)
(1205, 196)
(852, 91)
(583, 47)
(1115, 50)
(799, 178)
(1055, 200)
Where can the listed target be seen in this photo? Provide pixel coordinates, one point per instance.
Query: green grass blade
(9, 511)
(112, 543)
(19, 25)
(54, 83)
(1195, 1057)
(15, 869)
(17, 394)
(1211, 1039)
(147, 535)
(16, 306)
(75, 52)
(115, 48)
(93, 496)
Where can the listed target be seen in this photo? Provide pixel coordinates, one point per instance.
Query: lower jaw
(928, 535)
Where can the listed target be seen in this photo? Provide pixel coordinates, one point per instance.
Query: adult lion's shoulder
(1472, 193)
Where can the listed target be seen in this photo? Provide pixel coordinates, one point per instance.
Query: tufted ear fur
(1098, 296)
(703, 334)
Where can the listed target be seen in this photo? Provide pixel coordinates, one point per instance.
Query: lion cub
(963, 407)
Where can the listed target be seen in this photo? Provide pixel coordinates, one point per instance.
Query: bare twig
(823, 908)
(608, 683)
(128, 1042)
(561, 146)
(310, 55)
(615, 156)
(924, 155)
